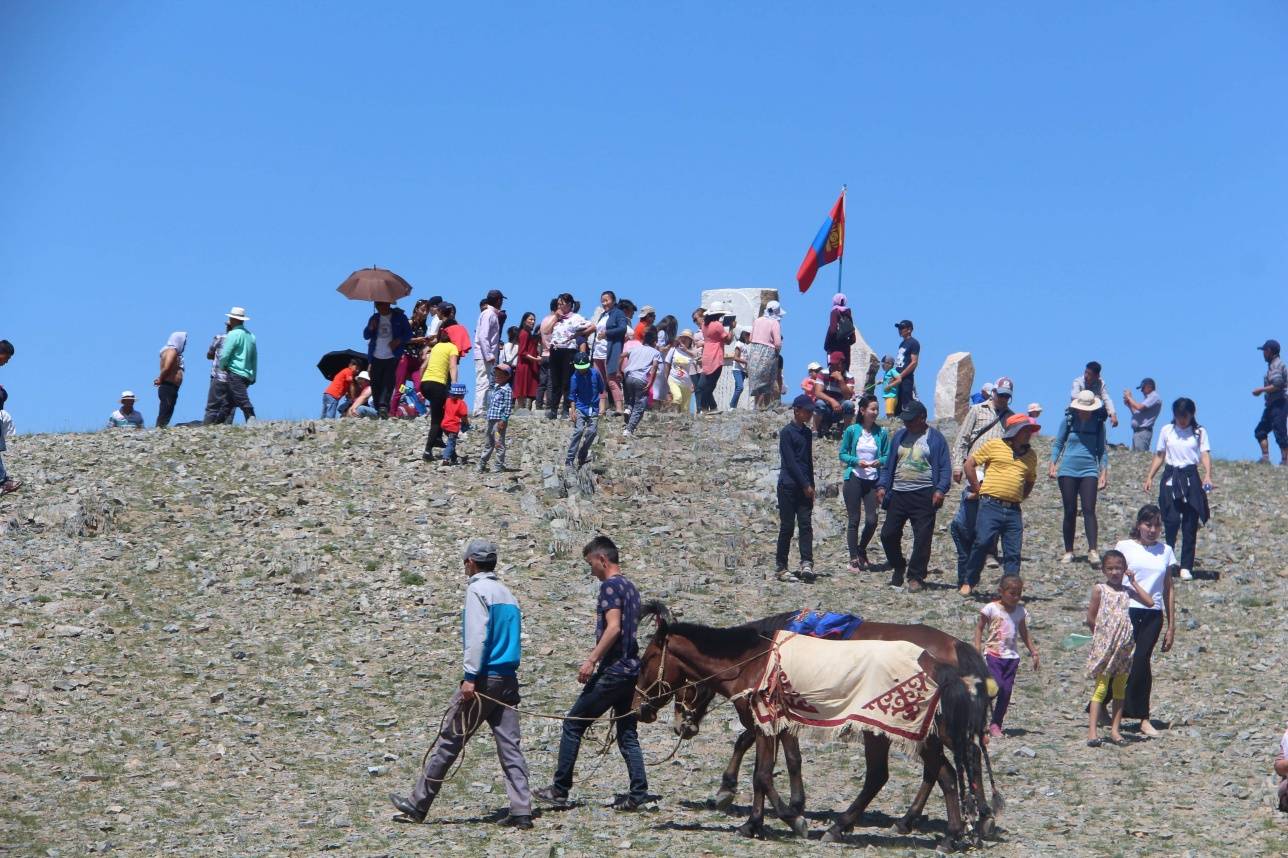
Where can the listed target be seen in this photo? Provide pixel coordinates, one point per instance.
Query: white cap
(128, 394)
(814, 365)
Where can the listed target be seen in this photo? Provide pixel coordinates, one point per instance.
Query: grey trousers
(637, 397)
(494, 440)
(219, 408)
(1141, 438)
(457, 729)
(583, 435)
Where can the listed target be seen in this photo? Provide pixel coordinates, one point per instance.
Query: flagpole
(840, 260)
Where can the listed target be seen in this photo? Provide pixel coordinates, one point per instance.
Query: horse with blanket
(782, 683)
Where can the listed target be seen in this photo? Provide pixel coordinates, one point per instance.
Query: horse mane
(719, 642)
(773, 623)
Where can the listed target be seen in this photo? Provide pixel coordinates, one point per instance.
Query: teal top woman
(864, 448)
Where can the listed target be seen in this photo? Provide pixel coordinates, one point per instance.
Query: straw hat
(1086, 401)
(238, 313)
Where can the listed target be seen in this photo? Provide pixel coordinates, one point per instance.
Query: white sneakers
(1187, 575)
(1093, 557)
(1067, 558)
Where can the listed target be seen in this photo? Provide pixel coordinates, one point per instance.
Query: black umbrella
(333, 362)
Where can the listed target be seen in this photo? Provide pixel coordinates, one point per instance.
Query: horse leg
(788, 813)
(948, 783)
(792, 757)
(987, 823)
(876, 756)
(729, 780)
(766, 751)
(930, 762)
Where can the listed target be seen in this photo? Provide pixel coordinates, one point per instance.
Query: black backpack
(844, 330)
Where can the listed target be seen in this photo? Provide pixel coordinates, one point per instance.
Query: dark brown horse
(691, 705)
(731, 661)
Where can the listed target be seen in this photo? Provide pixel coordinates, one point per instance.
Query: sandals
(1095, 743)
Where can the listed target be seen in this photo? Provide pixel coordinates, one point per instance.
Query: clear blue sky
(1039, 186)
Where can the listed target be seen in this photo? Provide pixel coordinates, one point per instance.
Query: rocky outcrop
(953, 386)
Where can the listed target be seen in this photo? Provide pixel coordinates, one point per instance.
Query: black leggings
(860, 501)
(560, 374)
(1072, 489)
(1146, 624)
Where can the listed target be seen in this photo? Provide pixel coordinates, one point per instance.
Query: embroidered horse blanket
(839, 687)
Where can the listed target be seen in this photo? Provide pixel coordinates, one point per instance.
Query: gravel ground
(239, 640)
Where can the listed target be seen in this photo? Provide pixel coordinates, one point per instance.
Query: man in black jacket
(796, 491)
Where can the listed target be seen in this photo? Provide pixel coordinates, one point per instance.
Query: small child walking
(1112, 643)
(889, 387)
(456, 418)
(1003, 620)
(500, 404)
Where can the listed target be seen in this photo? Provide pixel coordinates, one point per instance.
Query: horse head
(653, 687)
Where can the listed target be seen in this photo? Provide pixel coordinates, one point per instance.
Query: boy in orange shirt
(456, 417)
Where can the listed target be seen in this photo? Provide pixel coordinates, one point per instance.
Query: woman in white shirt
(1182, 496)
(1152, 563)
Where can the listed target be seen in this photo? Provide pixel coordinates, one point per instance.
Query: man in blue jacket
(796, 492)
(491, 627)
(912, 486)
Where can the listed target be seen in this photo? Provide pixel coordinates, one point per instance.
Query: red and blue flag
(828, 246)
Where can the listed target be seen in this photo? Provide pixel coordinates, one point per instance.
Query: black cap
(1144, 381)
(1273, 345)
(912, 410)
(906, 323)
(494, 295)
(435, 300)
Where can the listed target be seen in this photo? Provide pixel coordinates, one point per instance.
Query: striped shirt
(500, 402)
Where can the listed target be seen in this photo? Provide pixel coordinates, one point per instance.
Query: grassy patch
(411, 579)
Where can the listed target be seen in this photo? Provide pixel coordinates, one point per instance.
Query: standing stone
(953, 386)
(865, 363)
(745, 305)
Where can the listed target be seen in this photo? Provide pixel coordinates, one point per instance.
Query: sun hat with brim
(775, 310)
(1017, 423)
(480, 551)
(364, 376)
(238, 313)
(717, 308)
(647, 310)
(1035, 406)
(128, 394)
(685, 333)
(1086, 401)
(581, 361)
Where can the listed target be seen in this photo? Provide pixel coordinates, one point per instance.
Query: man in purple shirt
(487, 348)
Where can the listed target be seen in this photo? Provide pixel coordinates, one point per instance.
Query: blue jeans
(583, 435)
(739, 378)
(449, 451)
(367, 411)
(4, 475)
(604, 691)
(330, 406)
(993, 521)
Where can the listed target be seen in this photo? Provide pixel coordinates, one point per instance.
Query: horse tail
(958, 710)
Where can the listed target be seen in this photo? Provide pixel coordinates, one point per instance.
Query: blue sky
(1039, 186)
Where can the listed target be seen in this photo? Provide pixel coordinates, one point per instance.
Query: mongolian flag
(828, 246)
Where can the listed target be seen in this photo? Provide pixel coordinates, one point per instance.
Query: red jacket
(454, 410)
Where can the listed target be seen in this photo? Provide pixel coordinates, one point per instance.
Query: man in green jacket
(239, 360)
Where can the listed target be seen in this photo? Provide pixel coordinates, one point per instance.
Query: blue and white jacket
(490, 627)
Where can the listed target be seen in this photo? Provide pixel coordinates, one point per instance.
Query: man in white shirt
(1091, 380)
(487, 343)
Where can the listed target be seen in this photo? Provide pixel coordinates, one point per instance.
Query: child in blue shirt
(587, 393)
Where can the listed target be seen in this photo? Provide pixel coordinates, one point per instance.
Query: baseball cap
(503, 367)
(814, 365)
(835, 357)
(1017, 423)
(1005, 387)
(912, 410)
(493, 294)
(647, 310)
(803, 401)
(435, 300)
(582, 361)
(1273, 345)
(1144, 381)
(480, 551)
(905, 323)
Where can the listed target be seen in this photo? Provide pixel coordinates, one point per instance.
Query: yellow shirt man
(1006, 476)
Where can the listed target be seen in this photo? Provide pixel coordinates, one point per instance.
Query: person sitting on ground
(835, 402)
(341, 388)
(361, 406)
(812, 383)
(125, 417)
(456, 419)
(410, 403)
(984, 395)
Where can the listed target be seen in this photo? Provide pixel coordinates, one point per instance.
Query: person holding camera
(717, 332)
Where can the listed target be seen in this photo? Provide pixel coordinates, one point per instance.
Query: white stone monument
(953, 386)
(745, 305)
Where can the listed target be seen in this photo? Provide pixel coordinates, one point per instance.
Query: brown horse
(691, 705)
(732, 660)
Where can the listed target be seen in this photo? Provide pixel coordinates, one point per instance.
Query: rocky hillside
(238, 640)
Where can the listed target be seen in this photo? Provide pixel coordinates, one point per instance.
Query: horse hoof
(723, 800)
(800, 826)
(831, 836)
(749, 830)
(987, 827)
(948, 844)
(903, 826)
